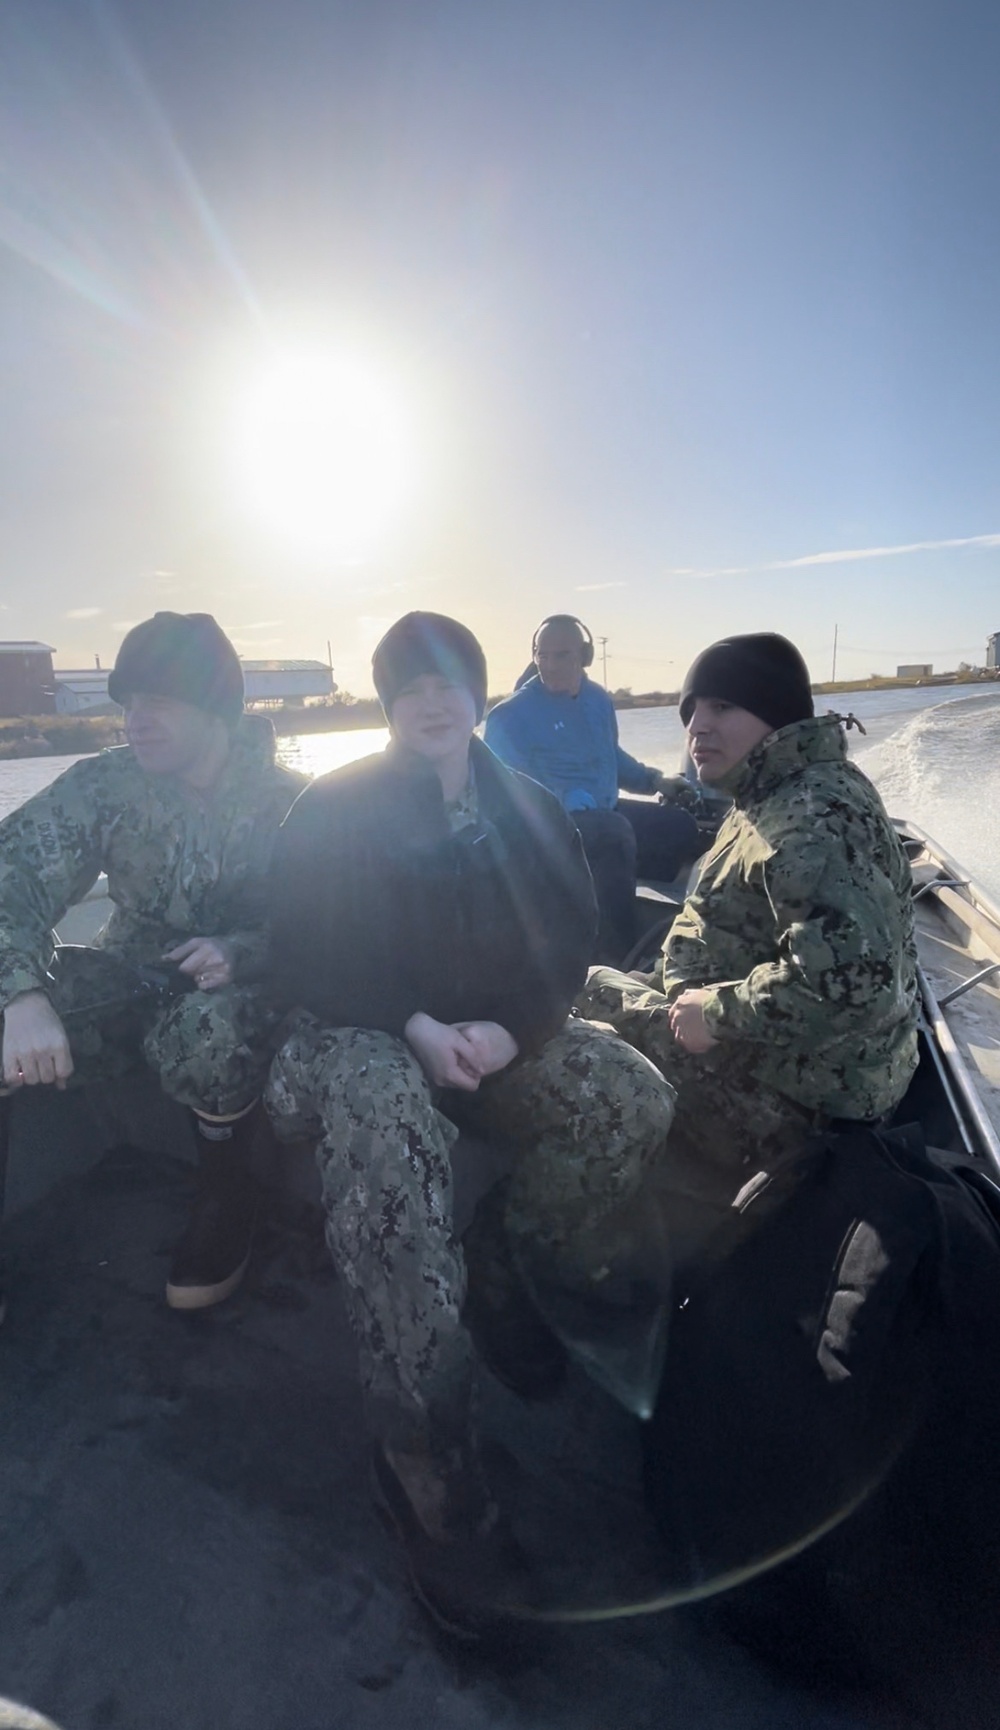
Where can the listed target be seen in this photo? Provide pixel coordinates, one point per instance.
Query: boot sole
(202, 1297)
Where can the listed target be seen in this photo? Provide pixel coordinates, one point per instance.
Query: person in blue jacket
(560, 728)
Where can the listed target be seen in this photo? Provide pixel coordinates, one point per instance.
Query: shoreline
(27, 736)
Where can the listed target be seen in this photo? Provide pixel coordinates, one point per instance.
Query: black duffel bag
(808, 1362)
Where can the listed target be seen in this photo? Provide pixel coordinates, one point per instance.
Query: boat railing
(954, 879)
(963, 1095)
(962, 900)
(967, 984)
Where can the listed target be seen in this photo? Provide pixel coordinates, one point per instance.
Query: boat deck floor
(187, 1541)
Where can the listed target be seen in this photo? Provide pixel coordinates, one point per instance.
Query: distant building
(270, 682)
(83, 692)
(916, 670)
(26, 679)
(993, 651)
(287, 681)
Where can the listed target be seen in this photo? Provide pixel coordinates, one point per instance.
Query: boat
(185, 1537)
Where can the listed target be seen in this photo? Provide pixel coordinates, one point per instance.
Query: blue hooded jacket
(569, 744)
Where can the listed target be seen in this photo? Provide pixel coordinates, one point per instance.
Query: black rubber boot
(210, 1259)
(465, 1568)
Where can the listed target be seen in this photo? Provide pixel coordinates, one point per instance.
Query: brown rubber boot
(211, 1257)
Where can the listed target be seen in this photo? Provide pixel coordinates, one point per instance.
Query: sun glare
(323, 453)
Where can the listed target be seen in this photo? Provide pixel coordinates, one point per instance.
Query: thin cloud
(258, 625)
(845, 557)
(592, 588)
(83, 612)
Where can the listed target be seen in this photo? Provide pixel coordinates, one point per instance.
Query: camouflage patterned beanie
(422, 643)
(762, 672)
(186, 656)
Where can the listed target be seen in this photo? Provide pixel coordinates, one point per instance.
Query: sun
(323, 453)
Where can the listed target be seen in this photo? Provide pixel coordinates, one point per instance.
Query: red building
(27, 686)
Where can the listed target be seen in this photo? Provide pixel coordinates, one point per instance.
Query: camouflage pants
(731, 1137)
(211, 1050)
(586, 1120)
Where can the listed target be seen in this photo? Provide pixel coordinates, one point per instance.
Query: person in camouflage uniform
(432, 917)
(182, 820)
(785, 996)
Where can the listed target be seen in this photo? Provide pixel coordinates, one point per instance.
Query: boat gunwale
(956, 892)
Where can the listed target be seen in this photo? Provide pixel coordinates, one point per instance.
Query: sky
(679, 318)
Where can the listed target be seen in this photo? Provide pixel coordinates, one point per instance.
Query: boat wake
(939, 769)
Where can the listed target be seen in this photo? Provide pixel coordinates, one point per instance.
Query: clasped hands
(459, 1054)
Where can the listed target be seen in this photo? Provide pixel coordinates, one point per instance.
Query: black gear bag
(804, 1365)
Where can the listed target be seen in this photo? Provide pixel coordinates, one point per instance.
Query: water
(933, 753)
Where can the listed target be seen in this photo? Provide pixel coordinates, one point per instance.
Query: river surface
(934, 754)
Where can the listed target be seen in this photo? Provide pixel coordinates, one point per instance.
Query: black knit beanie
(422, 643)
(186, 656)
(763, 673)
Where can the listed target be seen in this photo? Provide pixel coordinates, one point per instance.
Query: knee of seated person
(202, 1059)
(195, 1018)
(647, 1104)
(633, 1097)
(379, 1060)
(640, 1101)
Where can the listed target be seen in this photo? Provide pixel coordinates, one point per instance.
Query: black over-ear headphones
(586, 640)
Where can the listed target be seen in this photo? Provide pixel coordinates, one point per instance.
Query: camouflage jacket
(801, 922)
(179, 865)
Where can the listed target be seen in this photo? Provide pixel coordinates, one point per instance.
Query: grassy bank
(830, 688)
(78, 735)
(58, 735)
(826, 688)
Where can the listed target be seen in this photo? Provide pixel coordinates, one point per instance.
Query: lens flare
(323, 453)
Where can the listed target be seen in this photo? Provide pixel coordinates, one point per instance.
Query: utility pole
(833, 675)
(604, 660)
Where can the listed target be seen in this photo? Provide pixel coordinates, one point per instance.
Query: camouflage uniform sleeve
(837, 927)
(50, 855)
(249, 944)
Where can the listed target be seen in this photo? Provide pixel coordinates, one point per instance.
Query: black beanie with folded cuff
(761, 672)
(421, 643)
(186, 656)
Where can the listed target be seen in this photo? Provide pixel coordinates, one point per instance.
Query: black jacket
(378, 910)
